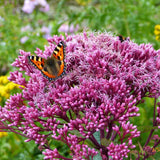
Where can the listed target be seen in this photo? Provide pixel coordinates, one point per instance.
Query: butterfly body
(52, 67)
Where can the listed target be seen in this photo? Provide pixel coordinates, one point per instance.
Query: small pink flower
(46, 31)
(45, 8)
(29, 5)
(118, 151)
(26, 28)
(68, 29)
(24, 39)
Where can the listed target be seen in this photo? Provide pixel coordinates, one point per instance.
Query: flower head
(3, 134)
(68, 29)
(29, 5)
(6, 87)
(46, 31)
(104, 82)
(157, 32)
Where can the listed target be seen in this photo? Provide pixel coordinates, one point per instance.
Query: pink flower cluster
(105, 81)
(68, 28)
(29, 6)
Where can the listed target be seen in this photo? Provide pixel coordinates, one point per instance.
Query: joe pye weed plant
(89, 109)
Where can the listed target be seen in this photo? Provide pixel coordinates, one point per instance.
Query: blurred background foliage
(27, 31)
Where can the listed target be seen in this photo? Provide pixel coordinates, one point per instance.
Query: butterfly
(52, 67)
(121, 38)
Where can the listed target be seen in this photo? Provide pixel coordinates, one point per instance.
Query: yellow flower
(157, 32)
(10, 86)
(7, 95)
(6, 87)
(2, 92)
(2, 134)
(3, 80)
(157, 27)
(158, 38)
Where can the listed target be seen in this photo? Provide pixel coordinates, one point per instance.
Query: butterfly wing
(59, 55)
(53, 67)
(59, 51)
(38, 62)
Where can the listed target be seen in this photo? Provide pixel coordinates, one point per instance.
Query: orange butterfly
(52, 67)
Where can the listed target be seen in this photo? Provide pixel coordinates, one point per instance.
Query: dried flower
(149, 150)
(105, 81)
